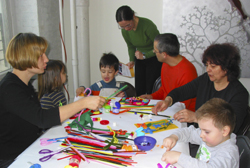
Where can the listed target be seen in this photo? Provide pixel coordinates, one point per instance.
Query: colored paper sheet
(156, 126)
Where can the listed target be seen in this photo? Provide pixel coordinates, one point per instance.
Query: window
(4, 65)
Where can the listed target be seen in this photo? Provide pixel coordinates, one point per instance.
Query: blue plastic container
(145, 143)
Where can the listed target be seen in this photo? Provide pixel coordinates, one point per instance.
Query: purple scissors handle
(51, 153)
(45, 151)
(45, 158)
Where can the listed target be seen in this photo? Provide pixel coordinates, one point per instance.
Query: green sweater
(142, 39)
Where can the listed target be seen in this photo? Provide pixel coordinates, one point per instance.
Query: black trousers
(193, 149)
(146, 73)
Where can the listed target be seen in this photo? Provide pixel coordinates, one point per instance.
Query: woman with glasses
(139, 34)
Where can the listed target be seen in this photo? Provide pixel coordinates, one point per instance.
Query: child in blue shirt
(50, 85)
(109, 67)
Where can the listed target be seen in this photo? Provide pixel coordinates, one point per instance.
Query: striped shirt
(53, 99)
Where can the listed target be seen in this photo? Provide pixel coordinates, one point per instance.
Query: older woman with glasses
(139, 34)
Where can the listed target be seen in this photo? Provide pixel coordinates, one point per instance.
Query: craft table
(124, 121)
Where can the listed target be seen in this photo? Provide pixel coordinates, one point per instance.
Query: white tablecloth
(123, 121)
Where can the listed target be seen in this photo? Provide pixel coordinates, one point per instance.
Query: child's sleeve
(221, 159)
(95, 90)
(46, 102)
(189, 134)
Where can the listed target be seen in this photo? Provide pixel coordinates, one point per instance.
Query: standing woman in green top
(139, 34)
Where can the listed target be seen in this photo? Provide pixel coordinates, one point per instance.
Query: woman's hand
(90, 102)
(130, 64)
(93, 102)
(139, 55)
(162, 105)
(185, 115)
(79, 91)
(146, 96)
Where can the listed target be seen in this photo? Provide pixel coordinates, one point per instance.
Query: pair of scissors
(51, 153)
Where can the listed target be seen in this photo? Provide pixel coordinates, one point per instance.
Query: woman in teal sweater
(139, 34)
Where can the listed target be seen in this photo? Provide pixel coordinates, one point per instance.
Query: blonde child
(50, 85)
(217, 149)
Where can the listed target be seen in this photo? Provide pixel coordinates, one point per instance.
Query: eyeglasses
(124, 27)
(156, 51)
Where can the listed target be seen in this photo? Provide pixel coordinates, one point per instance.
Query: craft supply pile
(87, 142)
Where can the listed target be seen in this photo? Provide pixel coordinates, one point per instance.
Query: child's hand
(171, 157)
(170, 142)
(79, 90)
(120, 94)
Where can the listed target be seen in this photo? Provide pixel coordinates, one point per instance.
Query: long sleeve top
(142, 39)
(175, 76)
(53, 99)
(224, 155)
(21, 116)
(203, 89)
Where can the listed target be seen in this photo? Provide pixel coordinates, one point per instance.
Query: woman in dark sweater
(221, 81)
(21, 115)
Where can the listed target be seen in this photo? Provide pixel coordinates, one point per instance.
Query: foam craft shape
(156, 126)
(84, 120)
(138, 132)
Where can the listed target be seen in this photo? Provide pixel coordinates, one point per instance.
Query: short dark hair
(226, 55)
(124, 13)
(109, 59)
(50, 80)
(168, 43)
(220, 111)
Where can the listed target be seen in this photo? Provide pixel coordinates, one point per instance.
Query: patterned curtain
(199, 23)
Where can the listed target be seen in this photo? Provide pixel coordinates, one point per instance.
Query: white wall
(105, 35)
